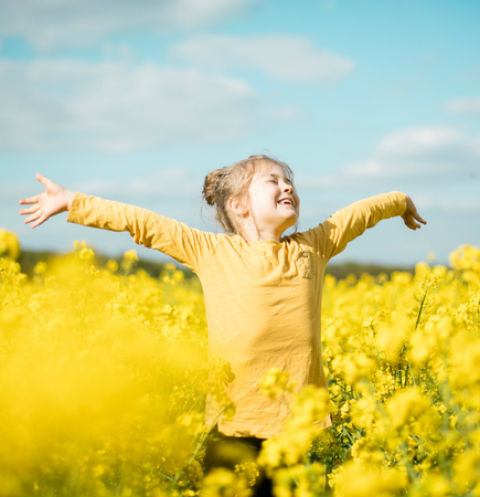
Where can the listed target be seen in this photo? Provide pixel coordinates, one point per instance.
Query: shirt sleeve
(186, 245)
(332, 236)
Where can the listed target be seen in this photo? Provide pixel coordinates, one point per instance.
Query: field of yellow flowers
(103, 378)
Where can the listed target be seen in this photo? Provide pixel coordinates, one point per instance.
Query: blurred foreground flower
(9, 245)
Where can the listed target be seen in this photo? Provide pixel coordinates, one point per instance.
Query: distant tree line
(29, 258)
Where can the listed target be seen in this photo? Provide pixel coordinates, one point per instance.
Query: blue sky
(137, 101)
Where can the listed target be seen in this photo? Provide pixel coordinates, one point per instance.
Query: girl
(262, 290)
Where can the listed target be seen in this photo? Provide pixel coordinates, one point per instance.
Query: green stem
(421, 306)
(201, 441)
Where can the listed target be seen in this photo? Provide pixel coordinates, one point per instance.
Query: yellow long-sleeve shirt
(263, 299)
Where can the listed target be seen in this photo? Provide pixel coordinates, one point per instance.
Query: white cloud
(438, 164)
(163, 184)
(445, 203)
(469, 106)
(116, 106)
(118, 51)
(438, 153)
(47, 23)
(285, 57)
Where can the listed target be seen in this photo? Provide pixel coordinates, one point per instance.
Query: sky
(138, 101)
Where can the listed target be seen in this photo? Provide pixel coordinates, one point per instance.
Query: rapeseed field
(104, 374)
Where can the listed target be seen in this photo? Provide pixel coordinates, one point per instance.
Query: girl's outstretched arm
(186, 245)
(333, 235)
(53, 200)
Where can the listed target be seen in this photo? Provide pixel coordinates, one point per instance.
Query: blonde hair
(233, 182)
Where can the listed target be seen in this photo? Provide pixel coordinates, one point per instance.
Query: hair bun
(210, 185)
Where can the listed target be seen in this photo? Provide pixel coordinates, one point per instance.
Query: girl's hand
(411, 216)
(53, 200)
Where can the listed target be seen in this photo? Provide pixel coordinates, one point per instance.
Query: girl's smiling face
(272, 205)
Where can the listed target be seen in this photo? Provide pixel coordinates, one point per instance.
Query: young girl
(262, 290)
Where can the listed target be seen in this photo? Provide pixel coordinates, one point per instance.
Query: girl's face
(272, 202)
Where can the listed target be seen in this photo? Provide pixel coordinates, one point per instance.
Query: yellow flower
(222, 482)
(107, 376)
(275, 383)
(434, 485)
(112, 265)
(131, 255)
(249, 471)
(129, 259)
(354, 366)
(465, 257)
(466, 469)
(301, 480)
(431, 256)
(308, 419)
(406, 405)
(40, 268)
(9, 245)
(363, 479)
(392, 336)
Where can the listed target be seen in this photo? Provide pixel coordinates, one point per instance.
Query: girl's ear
(237, 207)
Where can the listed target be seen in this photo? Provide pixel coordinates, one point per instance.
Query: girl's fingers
(411, 216)
(30, 200)
(43, 179)
(34, 217)
(46, 182)
(29, 210)
(411, 220)
(410, 223)
(419, 218)
(39, 222)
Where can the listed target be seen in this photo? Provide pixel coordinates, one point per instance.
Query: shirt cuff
(77, 204)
